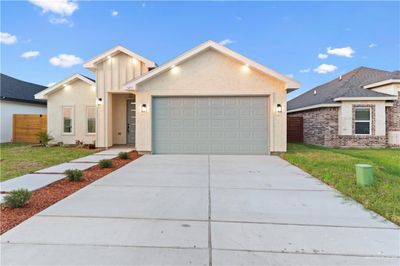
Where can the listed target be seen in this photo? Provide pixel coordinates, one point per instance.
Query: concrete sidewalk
(46, 176)
(202, 210)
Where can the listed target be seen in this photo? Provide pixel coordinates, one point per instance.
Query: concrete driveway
(203, 210)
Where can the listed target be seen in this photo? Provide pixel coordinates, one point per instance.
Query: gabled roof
(390, 77)
(91, 64)
(290, 83)
(18, 90)
(43, 94)
(350, 85)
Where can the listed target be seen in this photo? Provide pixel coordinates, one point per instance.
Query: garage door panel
(217, 125)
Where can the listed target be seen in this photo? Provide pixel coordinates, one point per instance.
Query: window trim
(95, 119)
(363, 121)
(72, 133)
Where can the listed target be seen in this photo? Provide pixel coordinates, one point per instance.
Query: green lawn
(19, 159)
(335, 167)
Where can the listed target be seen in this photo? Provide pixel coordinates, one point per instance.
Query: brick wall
(320, 125)
(321, 128)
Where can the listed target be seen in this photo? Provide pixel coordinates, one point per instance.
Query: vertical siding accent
(100, 81)
(114, 72)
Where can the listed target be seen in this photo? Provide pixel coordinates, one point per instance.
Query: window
(68, 122)
(91, 119)
(362, 121)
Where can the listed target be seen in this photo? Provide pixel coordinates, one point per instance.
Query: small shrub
(123, 155)
(105, 163)
(74, 174)
(44, 138)
(17, 198)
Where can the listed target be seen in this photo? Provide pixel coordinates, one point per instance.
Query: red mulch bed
(47, 196)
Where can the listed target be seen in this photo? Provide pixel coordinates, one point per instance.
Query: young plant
(44, 138)
(17, 198)
(123, 155)
(74, 174)
(105, 163)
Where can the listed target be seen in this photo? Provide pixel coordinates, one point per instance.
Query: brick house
(358, 109)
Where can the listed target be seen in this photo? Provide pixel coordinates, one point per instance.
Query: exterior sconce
(99, 101)
(279, 108)
(143, 109)
(246, 68)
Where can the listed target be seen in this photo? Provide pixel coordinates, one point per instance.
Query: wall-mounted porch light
(99, 101)
(279, 108)
(246, 68)
(143, 109)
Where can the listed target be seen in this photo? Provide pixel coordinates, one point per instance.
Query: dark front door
(131, 122)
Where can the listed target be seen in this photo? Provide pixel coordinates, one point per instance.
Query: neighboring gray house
(358, 109)
(17, 97)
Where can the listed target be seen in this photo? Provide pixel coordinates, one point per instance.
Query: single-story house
(17, 97)
(358, 109)
(209, 99)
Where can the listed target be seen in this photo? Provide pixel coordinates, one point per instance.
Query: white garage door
(210, 125)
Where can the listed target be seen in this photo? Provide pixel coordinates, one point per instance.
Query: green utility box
(364, 174)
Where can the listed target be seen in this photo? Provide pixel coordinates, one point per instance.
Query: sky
(45, 41)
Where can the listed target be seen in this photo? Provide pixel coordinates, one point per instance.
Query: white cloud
(325, 68)
(322, 56)
(60, 7)
(289, 75)
(58, 20)
(114, 13)
(305, 70)
(238, 18)
(345, 51)
(51, 84)
(30, 54)
(226, 42)
(7, 38)
(65, 60)
(372, 45)
(144, 4)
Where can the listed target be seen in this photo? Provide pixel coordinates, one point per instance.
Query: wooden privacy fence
(25, 127)
(295, 129)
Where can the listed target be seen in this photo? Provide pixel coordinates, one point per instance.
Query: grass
(20, 159)
(336, 167)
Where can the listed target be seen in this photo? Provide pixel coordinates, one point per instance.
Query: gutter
(316, 106)
(23, 101)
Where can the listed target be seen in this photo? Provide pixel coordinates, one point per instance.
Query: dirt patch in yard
(47, 196)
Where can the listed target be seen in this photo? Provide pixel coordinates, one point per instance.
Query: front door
(131, 122)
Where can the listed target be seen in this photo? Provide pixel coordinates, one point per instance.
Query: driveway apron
(204, 210)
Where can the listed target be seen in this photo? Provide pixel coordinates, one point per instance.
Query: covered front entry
(210, 125)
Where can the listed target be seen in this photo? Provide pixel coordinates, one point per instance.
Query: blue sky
(285, 36)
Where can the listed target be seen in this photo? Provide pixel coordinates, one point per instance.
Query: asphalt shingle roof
(18, 90)
(351, 85)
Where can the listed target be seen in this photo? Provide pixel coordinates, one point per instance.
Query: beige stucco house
(210, 99)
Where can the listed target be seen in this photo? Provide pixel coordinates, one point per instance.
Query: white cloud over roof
(65, 60)
(325, 68)
(344, 52)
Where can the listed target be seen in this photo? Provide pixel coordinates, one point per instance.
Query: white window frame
(72, 122)
(363, 121)
(87, 119)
